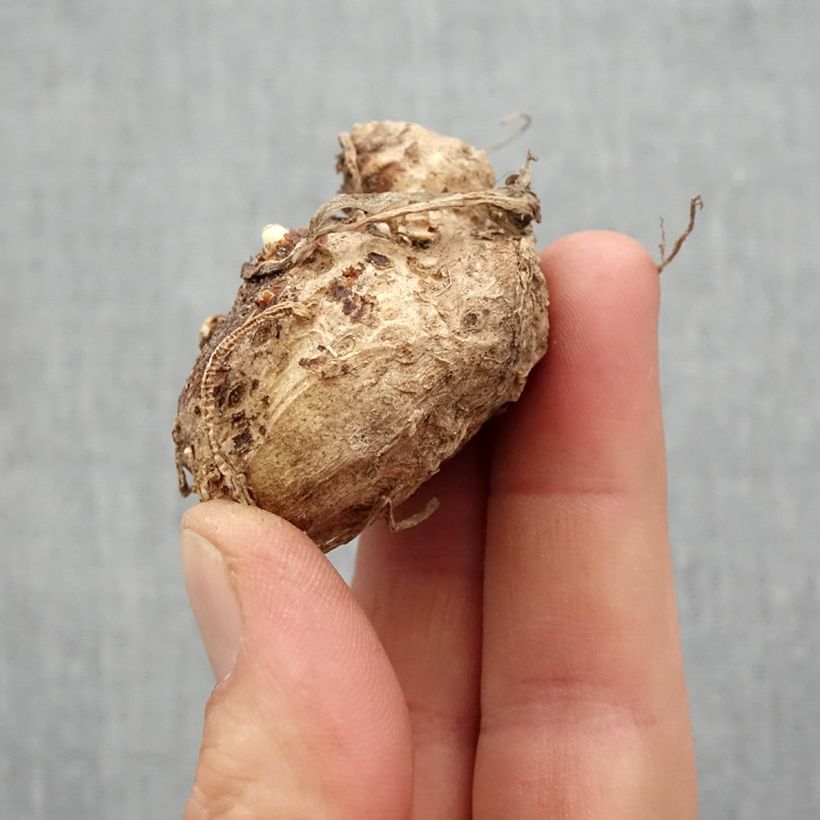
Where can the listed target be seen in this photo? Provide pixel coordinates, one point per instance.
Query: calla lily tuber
(365, 349)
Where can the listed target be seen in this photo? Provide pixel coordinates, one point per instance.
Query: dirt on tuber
(364, 350)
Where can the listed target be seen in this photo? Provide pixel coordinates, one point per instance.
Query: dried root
(695, 205)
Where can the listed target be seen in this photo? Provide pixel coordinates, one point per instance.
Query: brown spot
(265, 401)
(242, 443)
(316, 360)
(379, 260)
(412, 152)
(197, 410)
(350, 274)
(404, 354)
(341, 287)
(254, 384)
(470, 320)
(382, 179)
(221, 385)
(236, 395)
(238, 418)
(339, 291)
(356, 306)
(264, 297)
(261, 335)
(263, 431)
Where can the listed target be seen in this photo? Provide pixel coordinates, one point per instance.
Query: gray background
(143, 147)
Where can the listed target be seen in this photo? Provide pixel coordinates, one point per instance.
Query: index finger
(584, 710)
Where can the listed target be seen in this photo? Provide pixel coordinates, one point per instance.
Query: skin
(516, 655)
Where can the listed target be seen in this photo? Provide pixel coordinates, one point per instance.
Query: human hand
(516, 655)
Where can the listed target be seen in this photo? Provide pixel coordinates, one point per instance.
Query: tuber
(364, 350)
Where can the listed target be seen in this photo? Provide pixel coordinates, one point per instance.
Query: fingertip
(241, 529)
(232, 556)
(607, 252)
(604, 300)
(276, 569)
(592, 405)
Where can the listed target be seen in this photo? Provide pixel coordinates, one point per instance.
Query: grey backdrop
(143, 147)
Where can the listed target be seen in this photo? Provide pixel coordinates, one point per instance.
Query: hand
(516, 655)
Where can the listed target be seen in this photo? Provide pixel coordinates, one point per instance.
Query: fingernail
(213, 601)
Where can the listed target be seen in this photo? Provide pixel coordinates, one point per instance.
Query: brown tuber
(364, 350)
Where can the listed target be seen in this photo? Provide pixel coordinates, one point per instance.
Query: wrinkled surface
(339, 382)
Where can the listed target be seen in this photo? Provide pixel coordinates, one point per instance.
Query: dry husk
(366, 349)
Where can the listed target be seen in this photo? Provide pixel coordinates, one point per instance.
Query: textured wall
(142, 148)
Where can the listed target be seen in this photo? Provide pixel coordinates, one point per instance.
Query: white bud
(272, 235)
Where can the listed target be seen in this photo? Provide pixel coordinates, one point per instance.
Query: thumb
(307, 718)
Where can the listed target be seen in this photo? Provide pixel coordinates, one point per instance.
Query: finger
(421, 589)
(584, 709)
(308, 719)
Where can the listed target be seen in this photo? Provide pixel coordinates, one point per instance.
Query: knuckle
(244, 770)
(228, 782)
